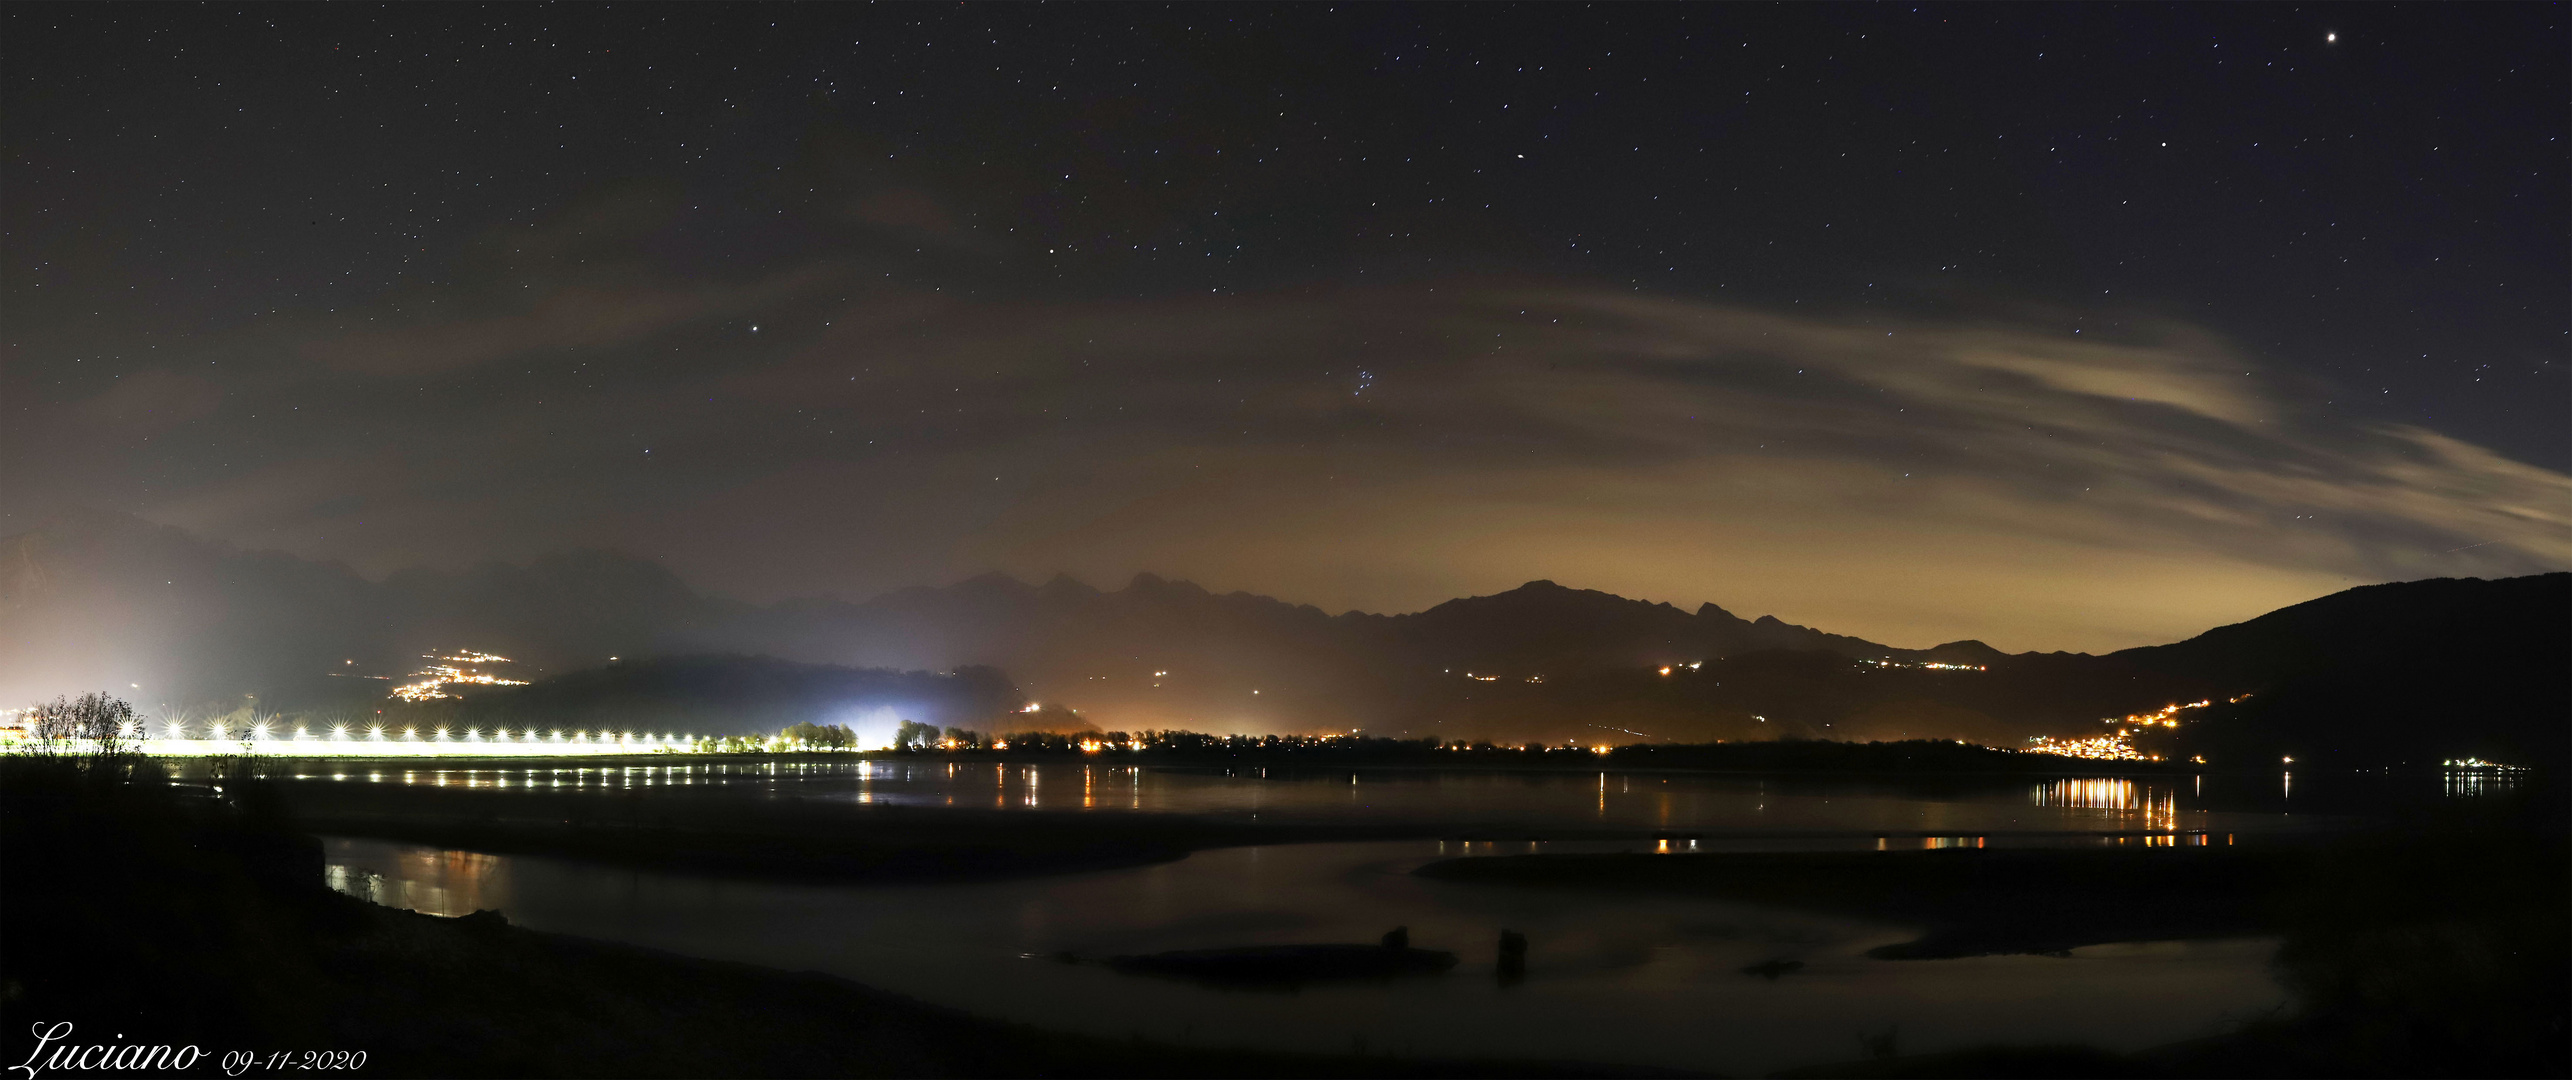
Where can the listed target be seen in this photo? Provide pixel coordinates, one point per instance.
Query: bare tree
(93, 730)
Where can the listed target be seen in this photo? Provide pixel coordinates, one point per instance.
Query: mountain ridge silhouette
(103, 600)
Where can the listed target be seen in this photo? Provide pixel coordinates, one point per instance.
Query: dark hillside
(2407, 623)
(2406, 672)
(743, 695)
(2411, 673)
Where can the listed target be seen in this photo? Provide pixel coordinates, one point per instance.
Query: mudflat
(1968, 901)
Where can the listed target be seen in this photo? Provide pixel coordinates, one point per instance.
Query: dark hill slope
(108, 600)
(2415, 672)
(1541, 626)
(2407, 623)
(2411, 671)
(742, 695)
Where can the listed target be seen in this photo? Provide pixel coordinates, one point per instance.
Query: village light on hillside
(455, 669)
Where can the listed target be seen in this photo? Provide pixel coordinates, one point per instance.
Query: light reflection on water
(2125, 802)
(2474, 783)
(1651, 980)
(439, 882)
(1563, 801)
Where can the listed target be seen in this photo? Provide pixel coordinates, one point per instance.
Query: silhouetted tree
(94, 730)
(823, 736)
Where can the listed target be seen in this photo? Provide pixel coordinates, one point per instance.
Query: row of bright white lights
(358, 748)
(378, 741)
(260, 732)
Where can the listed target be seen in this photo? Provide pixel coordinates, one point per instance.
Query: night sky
(2060, 327)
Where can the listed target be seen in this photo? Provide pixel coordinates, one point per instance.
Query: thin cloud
(1913, 481)
(571, 317)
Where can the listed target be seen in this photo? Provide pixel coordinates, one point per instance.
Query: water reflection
(1641, 980)
(1602, 800)
(438, 882)
(2129, 803)
(2468, 782)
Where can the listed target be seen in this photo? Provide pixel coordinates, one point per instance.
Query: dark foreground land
(175, 915)
(144, 913)
(2439, 947)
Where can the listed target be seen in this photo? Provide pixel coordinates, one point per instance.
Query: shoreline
(1909, 759)
(142, 908)
(714, 835)
(645, 1012)
(1965, 901)
(215, 928)
(738, 830)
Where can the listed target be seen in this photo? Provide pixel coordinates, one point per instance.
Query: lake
(1556, 802)
(1622, 979)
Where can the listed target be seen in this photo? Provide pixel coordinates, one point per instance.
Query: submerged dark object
(1771, 969)
(1513, 956)
(1287, 966)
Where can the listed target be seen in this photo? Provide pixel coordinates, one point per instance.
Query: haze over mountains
(106, 601)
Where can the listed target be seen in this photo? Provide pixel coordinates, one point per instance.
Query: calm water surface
(1549, 803)
(1651, 981)
(1639, 980)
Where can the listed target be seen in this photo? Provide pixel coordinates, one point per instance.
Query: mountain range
(2398, 672)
